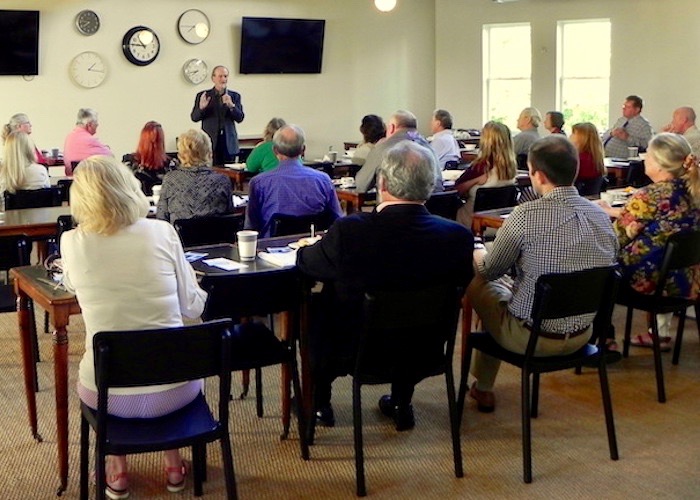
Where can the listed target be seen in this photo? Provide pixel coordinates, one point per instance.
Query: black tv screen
(273, 45)
(19, 42)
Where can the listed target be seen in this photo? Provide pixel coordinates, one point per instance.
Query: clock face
(195, 71)
(88, 70)
(141, 45)
(87, 22)
(193, 26)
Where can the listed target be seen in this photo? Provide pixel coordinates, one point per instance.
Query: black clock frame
(126, 47)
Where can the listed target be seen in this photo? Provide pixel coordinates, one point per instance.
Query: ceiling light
(385, 5)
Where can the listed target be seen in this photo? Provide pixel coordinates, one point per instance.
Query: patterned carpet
(658, 443)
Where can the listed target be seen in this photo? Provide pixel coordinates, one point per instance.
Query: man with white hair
(683, 123)
(81, 142)
(528, 121)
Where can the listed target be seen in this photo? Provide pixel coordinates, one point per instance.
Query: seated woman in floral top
(669, 205)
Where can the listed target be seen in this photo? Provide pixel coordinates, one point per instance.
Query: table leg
(60, 356)
(25, 332)
(304, 354)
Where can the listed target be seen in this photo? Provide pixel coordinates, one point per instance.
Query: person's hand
(602, 204)
(227, 101)
(620, 133)
(204, 100)
(667, 128)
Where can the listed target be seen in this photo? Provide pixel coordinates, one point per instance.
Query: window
(507, 71)
(583, 71)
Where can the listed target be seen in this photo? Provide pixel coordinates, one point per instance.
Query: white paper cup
(247, 244)
(632, 152)
(332, 156)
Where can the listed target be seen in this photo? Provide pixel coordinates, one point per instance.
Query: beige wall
(654, 51)
(372, 63)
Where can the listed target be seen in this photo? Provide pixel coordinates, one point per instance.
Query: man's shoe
(402, 415)
(485, 400)
(325, 416)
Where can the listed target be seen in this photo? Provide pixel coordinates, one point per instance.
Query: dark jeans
(221, 154)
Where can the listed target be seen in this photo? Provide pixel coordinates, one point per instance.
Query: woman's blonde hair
(19, 154)
(194, 149)
(674, 154)
(496, 150)
(273, 126)
(105, 196)
(14, 124)
(590, 143)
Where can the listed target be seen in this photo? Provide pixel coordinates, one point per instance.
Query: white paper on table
(194, 256)
(224, 263)
(285, 259)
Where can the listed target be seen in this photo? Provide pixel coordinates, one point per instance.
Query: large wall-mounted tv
(19, 42)
(274, 45)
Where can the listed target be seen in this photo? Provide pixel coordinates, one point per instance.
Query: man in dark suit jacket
(219, 109)
(398, 246)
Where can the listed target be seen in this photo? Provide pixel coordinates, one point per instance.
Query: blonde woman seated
(194, 189)
(493, 167)
(590, 153)
(20, 123)
(129, 273)
(20, 170)
(263, 158)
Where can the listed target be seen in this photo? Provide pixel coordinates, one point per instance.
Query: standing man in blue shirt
(291, 188)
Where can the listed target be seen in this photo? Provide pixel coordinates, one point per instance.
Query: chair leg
(259, 392)
(679, 337)
(607, 408)
(527, 445)
(454, 422)
(245, 375)
(301, 411)
(661, 392)
(361, 488)
(35, 343)
(628, 333)
(46, 321)
(535, 395)
(84, 449)
(198, 455)
(463, 382)
(100, 472)
(229, 474)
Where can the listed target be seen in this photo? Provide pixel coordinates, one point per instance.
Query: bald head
(683, 119)
(289, 141)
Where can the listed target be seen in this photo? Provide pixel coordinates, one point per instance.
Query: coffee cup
(54, 153)
(332, 156)
(247, 244)
(632, 152)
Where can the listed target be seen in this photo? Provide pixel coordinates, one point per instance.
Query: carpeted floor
(659, 443)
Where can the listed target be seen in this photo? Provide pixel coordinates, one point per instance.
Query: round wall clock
(195, 71)
(87, 22)
(141, 45)
(193, 26)
(87, 69)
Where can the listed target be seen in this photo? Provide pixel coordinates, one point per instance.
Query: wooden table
(34, 222)
(353, 198)
(239, 177)
(489, 218)
(60, 304)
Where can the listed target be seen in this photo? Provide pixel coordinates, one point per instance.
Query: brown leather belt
(560, 336)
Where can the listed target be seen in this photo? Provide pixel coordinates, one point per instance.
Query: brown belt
(560, 336)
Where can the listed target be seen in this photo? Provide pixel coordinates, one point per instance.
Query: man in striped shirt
(560, 232)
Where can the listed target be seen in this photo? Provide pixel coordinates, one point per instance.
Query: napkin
(224, 263)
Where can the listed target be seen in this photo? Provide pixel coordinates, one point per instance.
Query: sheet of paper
(194, 256)
(224, 263)
(286, 259)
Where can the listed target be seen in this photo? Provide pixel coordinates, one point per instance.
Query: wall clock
(193, 26)
(87, 22)
(195, 71)
(141, 45)
(87, 69)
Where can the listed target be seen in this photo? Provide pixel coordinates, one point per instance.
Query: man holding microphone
(219, 109)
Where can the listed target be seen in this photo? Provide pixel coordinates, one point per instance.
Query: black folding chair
(171, 355)
(209, 230)
(682, 251)
(491, 198)
(284, 225)
(556, 296)
(445, 204)
(34, 198)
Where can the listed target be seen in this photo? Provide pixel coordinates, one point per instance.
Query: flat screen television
(19, 42)
(278, 46)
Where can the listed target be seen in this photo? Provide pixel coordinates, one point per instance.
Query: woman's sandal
(115, 480)
(176, 486)
(646, 341)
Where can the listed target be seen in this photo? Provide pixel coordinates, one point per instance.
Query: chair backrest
(682, 251)
(521, 161)
(490, 198)
(63, 223)
(407, 334)
(560, 295)
(591, 187)
(65, 185)
(14, 251)
(241, 295)
(34, 198)
(209, 230)
(636, 176)
(284, 225)
(445, 204)
(163, 356)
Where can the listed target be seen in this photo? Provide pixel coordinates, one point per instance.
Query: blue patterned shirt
(290, 189)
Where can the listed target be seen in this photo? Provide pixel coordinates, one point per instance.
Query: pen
(313, 230)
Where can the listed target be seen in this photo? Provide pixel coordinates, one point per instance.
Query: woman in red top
(590, 151)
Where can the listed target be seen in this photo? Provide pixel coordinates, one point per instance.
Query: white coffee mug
(247, 244)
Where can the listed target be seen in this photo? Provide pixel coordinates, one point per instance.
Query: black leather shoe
(325, 416)
(402, 415)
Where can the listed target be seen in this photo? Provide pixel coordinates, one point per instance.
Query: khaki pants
(490, 301)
